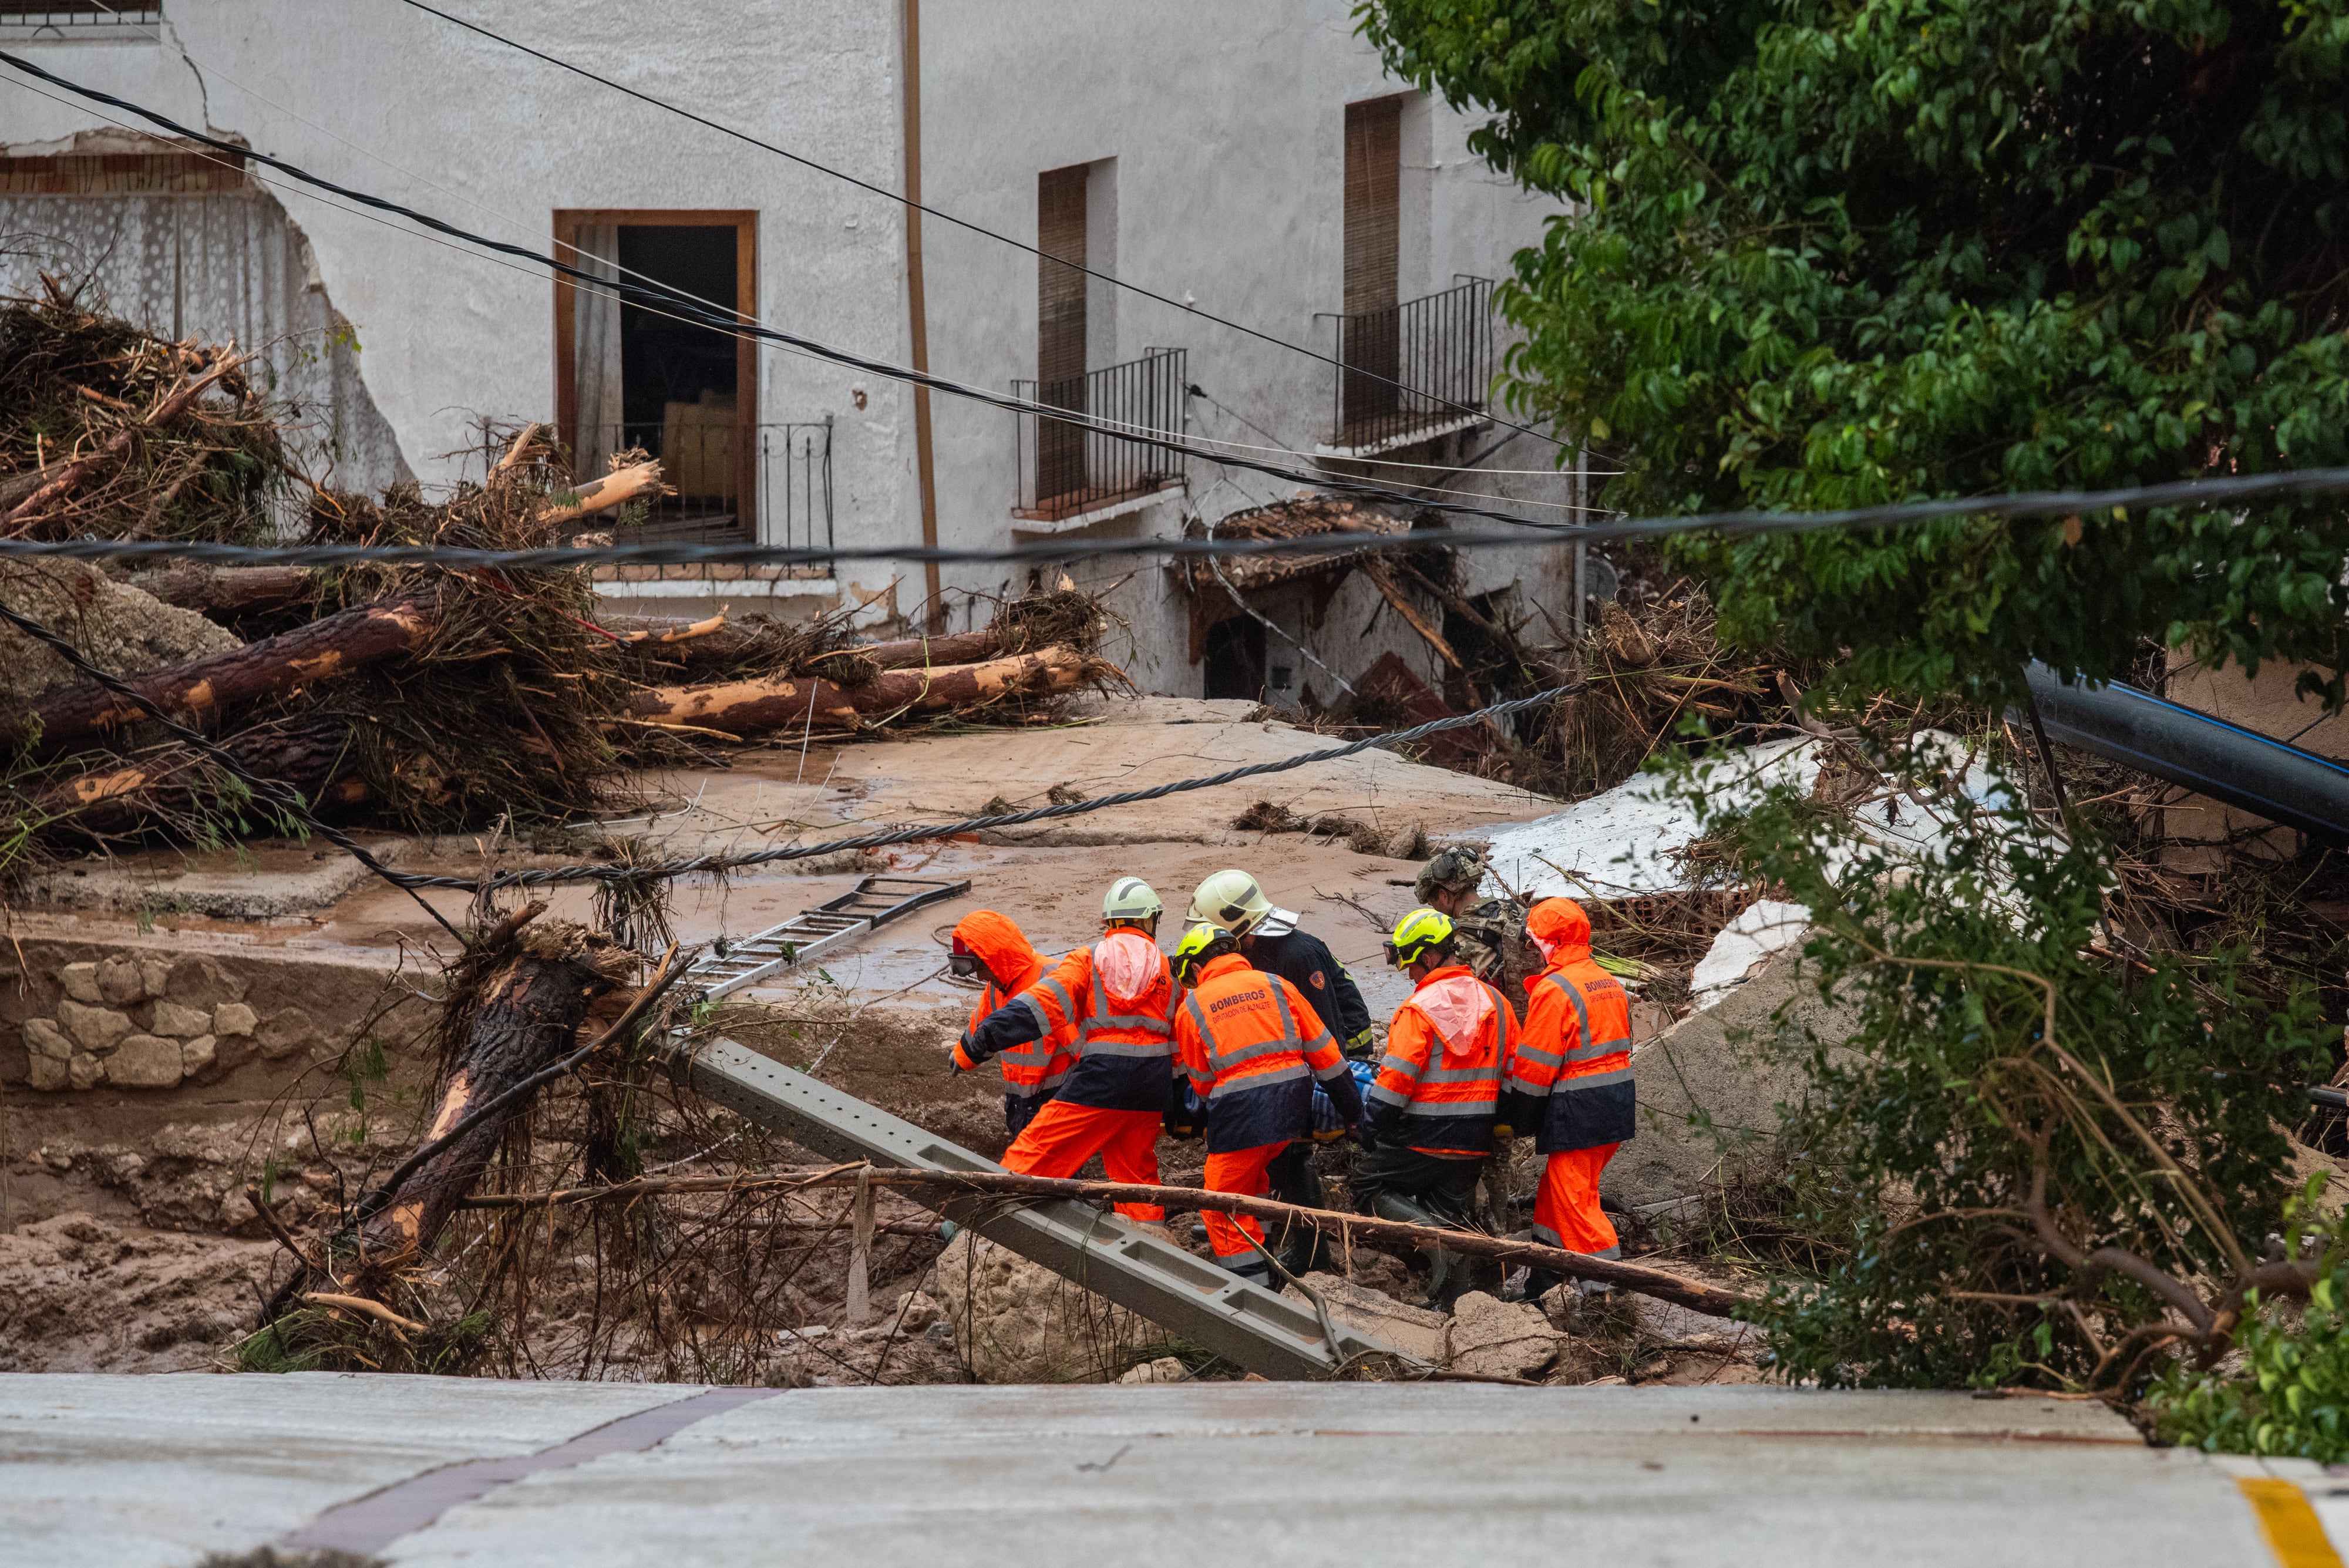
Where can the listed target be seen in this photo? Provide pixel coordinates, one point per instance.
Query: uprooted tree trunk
(525, 1017)
(226, 590)
(313, 758)
(719, 643)
(331, 646)
(789, 703)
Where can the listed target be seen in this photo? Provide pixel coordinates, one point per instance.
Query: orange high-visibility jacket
(1252, 1046)
(1031, 1070)
(1439, 1084)
(1570, 1079)
(1118, 999)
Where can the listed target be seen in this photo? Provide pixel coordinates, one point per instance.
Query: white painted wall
(1220, 121)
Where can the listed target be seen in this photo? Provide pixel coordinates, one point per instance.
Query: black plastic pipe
(2209, 756)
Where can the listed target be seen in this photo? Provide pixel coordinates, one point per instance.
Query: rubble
(1017, 1321)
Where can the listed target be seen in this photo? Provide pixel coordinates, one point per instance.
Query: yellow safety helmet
(1193, 949)
(1129, 901)
(1414, 934)
(1230, 899)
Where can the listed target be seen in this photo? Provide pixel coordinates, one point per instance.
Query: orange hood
(1001, 946)
(1560, 928)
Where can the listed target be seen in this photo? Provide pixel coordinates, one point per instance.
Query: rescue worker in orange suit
(1569, 1083)
(989, 948)
(1116, 1000)
(1433, 1116)
(1253, 1049)
(1270, 940)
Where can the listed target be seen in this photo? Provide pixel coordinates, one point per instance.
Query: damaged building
(1223, 160)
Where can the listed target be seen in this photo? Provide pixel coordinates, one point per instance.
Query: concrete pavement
(131, 1471)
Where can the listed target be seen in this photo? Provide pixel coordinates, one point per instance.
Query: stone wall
(88, 1017)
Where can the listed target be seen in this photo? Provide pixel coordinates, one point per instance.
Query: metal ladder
(873, 902)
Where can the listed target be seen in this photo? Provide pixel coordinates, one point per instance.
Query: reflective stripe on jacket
(1253, 1046)
(1032, 1069)
(1570, 1079)
(1439, 1084)
(1123, 1037)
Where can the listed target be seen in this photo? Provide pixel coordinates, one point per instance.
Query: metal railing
(65, 14)
(1066, 469)
(788, 475)
(1416, 368)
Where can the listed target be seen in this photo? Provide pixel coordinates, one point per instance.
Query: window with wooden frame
(632, 377)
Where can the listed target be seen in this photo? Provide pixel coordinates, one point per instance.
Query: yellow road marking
(2294, 1532)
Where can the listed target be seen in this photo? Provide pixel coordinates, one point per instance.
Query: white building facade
(1241, 160)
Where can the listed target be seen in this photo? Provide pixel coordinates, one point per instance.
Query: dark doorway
(1234, 659)
(633, 376)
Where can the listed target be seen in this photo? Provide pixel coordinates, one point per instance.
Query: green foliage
(2150, 1111)
(1825, 255)
(2291, 1397)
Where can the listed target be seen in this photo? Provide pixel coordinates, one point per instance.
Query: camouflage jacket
(1494, 945)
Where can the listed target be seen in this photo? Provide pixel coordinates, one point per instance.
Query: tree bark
(225, 590)
(700, 643)
(788, 702)
(332, 646)
(157, 787)
(528, 1018)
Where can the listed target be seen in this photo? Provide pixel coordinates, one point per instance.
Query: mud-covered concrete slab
(158, 1470)
(128, 1473)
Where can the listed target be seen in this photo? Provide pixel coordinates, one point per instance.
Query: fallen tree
(1693, 1294)
(785, 702)
(522, 1016)
(319, 650)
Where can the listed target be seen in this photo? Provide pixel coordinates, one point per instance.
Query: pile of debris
(416, 697)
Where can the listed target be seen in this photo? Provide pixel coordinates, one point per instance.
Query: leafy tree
(2064, 1163)
(1825, 254)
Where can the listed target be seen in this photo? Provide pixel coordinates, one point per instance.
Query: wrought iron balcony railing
(1067, 469)
(788, 474)
(1414, 370)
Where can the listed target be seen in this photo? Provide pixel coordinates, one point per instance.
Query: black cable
(2226, 490)
(276, 792)
(928, 211)
(713, 863)
(695, 312)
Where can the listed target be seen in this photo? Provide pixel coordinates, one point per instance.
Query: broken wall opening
(180, 243)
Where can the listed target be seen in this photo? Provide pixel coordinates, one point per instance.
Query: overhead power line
(729, 322)
(928, 211)
(2195, 495)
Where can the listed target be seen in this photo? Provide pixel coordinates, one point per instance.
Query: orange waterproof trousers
(1567, 1213)
(1240, 1171)
(1063, 1136)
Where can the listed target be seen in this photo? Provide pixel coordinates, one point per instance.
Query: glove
(959, 1057)
(1502, 1132)
(1369, 1137)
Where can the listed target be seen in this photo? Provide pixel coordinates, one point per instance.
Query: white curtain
(595, 350)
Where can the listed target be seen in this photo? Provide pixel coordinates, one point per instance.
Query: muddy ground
(126, 1240)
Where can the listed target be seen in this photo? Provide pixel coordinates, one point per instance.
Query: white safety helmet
(1130, 901)
(1231, 899)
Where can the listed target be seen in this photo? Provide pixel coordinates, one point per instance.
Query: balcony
(788, 476)
(1071, 474)
(1412, 372)
(84, 19)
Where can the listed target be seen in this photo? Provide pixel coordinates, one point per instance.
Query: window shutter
(1061, 330)
(1060, 290)
(1374, 198)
